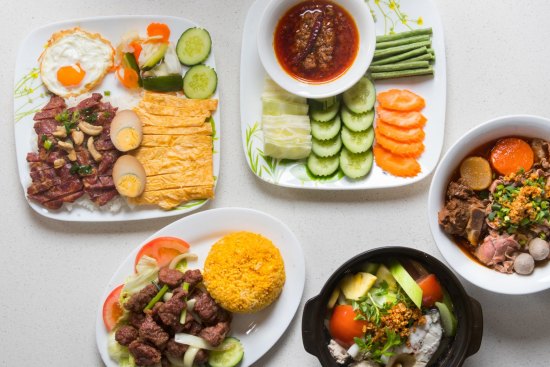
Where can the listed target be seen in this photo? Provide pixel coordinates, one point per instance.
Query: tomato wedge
(112, 309)
(163, 249)
(344, 327)
(431, 290)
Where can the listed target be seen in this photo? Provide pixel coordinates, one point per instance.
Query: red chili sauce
(316, 41)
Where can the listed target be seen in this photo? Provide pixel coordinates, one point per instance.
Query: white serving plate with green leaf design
(390, 15)
(30, 96)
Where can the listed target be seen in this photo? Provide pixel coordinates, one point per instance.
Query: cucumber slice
(323, 115)
(355, 165)
(194, 46)
(229, 357)
(323, 103)
(322, 166)
(448, 319)
(360, 98)
(165, 83)
(153, 54)
(200, 82)
(326, 148)
(326, 130)
(407, 283)
(355, 121)
(357, 142)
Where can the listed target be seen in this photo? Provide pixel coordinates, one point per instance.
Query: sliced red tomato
(159, 29)
(431, 290)
(112, 309)
(344, 327)
(163, 249)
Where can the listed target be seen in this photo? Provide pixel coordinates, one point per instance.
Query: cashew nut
(78, 137)
(69, 148)
(60, 132)
(58, 163)
(90, 129)
(91, 147)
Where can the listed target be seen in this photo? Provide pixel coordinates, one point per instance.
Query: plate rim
(203, 215)
(64, 214)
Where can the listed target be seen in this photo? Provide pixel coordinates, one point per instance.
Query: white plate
(258, 331)
(292, 173)
(474, 272)
(30, 97)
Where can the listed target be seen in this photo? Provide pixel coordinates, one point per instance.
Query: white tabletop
(53, 273)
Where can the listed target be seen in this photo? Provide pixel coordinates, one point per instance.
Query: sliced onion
(175, 362)
(354, 350)
(167, 296)
(189, 356)
(177, 259)
(197, 342)
(191, 304)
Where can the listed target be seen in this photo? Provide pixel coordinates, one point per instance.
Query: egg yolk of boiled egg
(126, 130)
(70, 75)
(129, 176)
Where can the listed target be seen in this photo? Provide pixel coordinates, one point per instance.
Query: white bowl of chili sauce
(316, 48)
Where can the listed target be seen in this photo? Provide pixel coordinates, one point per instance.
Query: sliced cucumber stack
(194, 46)
(200, 82)
(230, 355)
(356, 135)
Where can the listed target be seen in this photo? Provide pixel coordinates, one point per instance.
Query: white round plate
(474, 272)
(258, 331)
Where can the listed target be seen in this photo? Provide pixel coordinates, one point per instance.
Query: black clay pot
(451, 353)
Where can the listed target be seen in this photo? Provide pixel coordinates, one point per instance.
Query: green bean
(403, 41)
(431, 51)
(396, 36)
(425, 57)
(399, 66)
(379, 54)
(402, 73)
(393, 59)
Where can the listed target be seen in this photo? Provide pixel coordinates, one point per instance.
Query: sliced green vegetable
(399, 66)
(355, 165)
(333, 298)
(448, 319)
(425, 57)
(326, 148)
(324, 103)
(356, 121)
(322, 166)
(152, 53)
(361, 97)
(326, 130)
(231, 354)
(380, 54)
(396, 36)
(404, 56)
(357, 142)
(402, 41)
(157, 298)
(403, 73)
(319, 114)
(129, 60)
(194, 46)
(384, 275)
(200, 82)
(407, 283)
(166, 83)
(370, 268)
(277, 107)
(355, 286)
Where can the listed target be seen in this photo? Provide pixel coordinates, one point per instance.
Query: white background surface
(53, 273)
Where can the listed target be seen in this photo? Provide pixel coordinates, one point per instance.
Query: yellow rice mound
(244, 272)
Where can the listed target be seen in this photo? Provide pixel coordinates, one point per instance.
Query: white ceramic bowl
(360, 13)
(516, 125)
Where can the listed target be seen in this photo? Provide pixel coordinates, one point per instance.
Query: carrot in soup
(510, 155)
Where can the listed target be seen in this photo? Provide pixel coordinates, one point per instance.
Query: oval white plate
(29, 97)
(293, 173)
(475, 273)
(258, 331)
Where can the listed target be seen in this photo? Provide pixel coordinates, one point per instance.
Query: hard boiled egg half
(129, 176)
(126, 130)
(74, 61)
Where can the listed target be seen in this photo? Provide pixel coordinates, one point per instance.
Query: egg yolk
(70, 75)
(129, 185)
(127, 139)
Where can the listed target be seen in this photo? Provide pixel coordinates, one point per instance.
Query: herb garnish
(81, 170)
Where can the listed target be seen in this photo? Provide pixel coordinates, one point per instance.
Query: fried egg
(74, 61)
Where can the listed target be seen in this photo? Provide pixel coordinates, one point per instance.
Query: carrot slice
(408, 119)
(401, 100)
(511, 155)
(414, 135)
(412, 150)
(394, 164)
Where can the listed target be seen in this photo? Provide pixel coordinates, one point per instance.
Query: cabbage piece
(146, 272)
(283, 151)
(171, 60)
(116, 351)
(277, 107)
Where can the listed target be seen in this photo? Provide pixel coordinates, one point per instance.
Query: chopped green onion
(48, 144)
(107, 93)
(157, 298)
